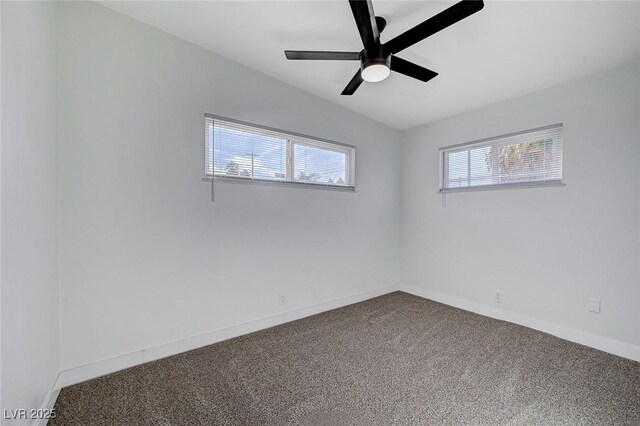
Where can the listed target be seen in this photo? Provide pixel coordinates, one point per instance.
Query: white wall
(146, 257)
(29, 205)
(548, 249)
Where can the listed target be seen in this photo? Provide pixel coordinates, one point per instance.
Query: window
(532, 157)
(235, 150)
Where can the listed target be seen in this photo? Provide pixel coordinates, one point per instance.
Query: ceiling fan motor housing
(374, 56)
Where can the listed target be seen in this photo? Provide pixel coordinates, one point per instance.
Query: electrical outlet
(498, 296)
(593, 305)
(281, 299)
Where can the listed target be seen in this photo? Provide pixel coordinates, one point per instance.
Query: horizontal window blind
(529, 157)
(243, 151)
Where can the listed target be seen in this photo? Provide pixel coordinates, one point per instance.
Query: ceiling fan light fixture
(375, 73)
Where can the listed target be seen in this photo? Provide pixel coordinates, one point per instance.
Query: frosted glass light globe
(375, 72)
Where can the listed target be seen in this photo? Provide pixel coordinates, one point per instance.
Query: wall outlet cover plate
(593, 305)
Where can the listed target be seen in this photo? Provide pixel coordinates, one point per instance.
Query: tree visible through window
(526, 161)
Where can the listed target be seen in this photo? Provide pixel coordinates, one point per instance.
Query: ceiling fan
(377, 59)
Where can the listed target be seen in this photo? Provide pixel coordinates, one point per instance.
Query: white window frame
(495, 142)
(293, 140)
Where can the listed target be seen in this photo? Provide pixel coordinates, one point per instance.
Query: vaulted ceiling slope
(505, 50)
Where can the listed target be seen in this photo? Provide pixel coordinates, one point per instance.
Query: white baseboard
(49, 402)
(110, 365)
(595, 341)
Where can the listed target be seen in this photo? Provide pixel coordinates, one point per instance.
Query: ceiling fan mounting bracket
(381, 23)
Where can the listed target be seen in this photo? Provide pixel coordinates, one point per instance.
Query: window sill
(549, 183)
(240, 180)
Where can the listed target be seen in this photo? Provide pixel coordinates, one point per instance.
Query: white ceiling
(505, 50)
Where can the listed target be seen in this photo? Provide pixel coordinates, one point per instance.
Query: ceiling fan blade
(412, 70)
(321, 55)
(366, 21)
(442, 20)
(353, 85)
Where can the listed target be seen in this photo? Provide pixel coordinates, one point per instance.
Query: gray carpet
(395, 359)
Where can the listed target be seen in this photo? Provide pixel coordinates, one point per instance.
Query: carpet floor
(396, 359)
